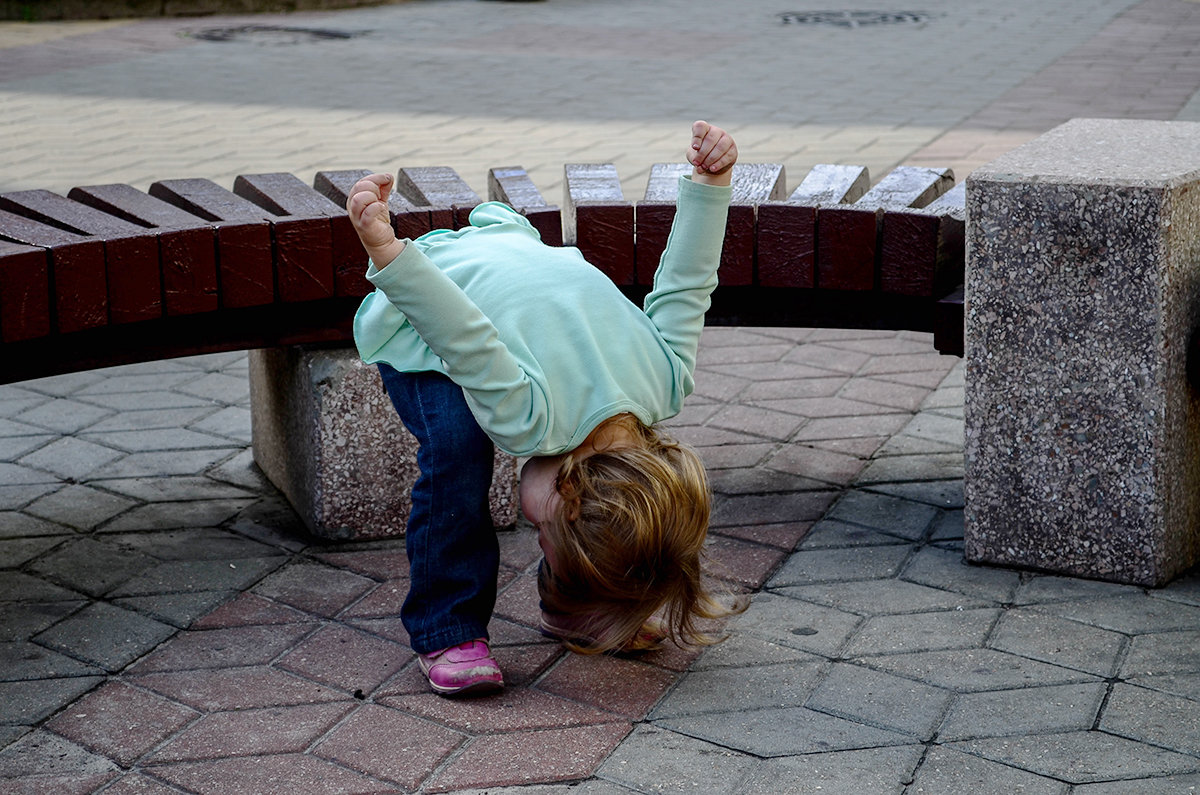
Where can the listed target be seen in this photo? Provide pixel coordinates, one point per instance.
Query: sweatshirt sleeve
(464, 339)
(687, 272)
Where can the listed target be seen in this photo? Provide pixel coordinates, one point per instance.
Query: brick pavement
(167, 627)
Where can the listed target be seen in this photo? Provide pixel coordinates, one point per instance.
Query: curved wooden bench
(109, 274)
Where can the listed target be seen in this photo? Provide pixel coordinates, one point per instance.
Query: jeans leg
(453, 551)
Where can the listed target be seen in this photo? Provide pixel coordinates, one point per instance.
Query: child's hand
(368, 211)
(712, 154)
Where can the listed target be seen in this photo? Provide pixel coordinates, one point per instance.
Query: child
(486, 335)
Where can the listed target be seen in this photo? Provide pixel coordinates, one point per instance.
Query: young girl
(486, 335)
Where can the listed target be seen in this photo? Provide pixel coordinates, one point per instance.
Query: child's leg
(453, 552)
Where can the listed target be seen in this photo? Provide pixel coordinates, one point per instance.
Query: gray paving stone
(14, 447)
(17, 586)
(592, 786)
(133, 381)
(742, 650)
(940, 493)
(800, 625)
(1133, 614)
(1157, 718)
(42, 753)
(949, 629)
(30, 702)
(898, 469)
(20, 475)
(131, 403)
(156, 439)
(172, 515)
(941, 568)
(652, 759)
(830, 534)
(18, 496)
(884, 597)
(105, 635)
(148, 419)
(1031, 710)
(970, 670)
(768, 509)
(79, 506)
(946, 770)
(1143, 786)
(810, 566)
(22, 525)
(1184, 589)
(1058, 641)
(194, 576)
(70, 458)
(783, 732)
(13, 429)
(218, 387)
(910, 445)
(90, 566)
(20, 660)
(176, 462)
(936, 428)
(878, 771)
(1186, 685)
(884, 513)
(878, 699)
(193, 543)
(1049, 588)
(178, 610)
(65, 384)
(167, 488)
(16, 552)
(22, 620)
(734, 689)
(64, 416)
(232, 422)
(1081, 757)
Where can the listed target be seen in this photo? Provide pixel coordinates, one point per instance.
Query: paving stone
(146, 419)
(15, 497)
(19, 525)
(177, 609)
(1157, 718)
(1184, 589)
(14, 447)
(16, 552)
(732, 689)
(222, 689)
(884, 513)
(764, 422)
(1186, 685)
(167, 463)
(800, 625)
(17, 586)
(1162, 653)
(877, 770)
(1132, 614)
(389, 745)
(1081, 757)
(783, 731)
(79, 506)
(969, 670)
(826, 386)
(782, 535)
(379, 564)
(626, 687)
(759, 480)
(850, 427)
(257, 774)
(117, 382)
(247, 609)
(219, 387)
(741, 650)
(1047, 588)
(942, 568)
(770, 509)
(528, 757)
(47, 756)
(21, 659)
(809, 566)
(744, 563)
(1058, 641)
(31, 701)
(316, 589)
(950, 629)
(727, 456)
(877, 699)
(883, 597)
(21, 620)
(131, 402)
(193, 576)
(105, 635)
(231, 422)
(912, 446)
(90, 566)
(347, 658)
(1142, 786)
(196, 543)
(63, 416)
(172, 515)
(948, 770)
(655, 760)
(591, 786)
(70, 458)
(174, 488)
(947, 526)
(121, 722)
(929, 466)
(139, 784)
(937, 428)
(249, 732)
(831, 534)
(385, 600)
(510, 710)
(939, 493)
(221, 648)
(1032, 710)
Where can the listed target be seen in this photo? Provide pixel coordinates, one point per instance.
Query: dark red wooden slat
(949, 324)
(513, 186)
(24, 292)
(186, 243)
(752, 184)
(654, 214)
(408, 221)
(598, 220)
(245, 259)
(131, 254)
(449, 198)
(922, 250)
(77, 273)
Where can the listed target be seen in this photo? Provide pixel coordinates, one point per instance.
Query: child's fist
(713, 151)
(368, 211)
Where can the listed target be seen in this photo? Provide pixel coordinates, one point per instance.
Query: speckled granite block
(325, 433)
(1083, 288)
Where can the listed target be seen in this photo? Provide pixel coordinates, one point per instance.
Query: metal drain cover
(854, 19)
(271, 35)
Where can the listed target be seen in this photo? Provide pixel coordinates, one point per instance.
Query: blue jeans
(453, 552)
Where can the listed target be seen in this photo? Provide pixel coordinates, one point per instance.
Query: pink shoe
(465, 669)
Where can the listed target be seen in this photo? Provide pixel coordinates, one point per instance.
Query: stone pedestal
(325, 433)
(1082, 290)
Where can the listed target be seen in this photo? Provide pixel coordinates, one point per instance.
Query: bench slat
(949, 324)
(186, 243)
(24, 292)
(922, 250)
(598, 220)
(441, 189)
(131, 255)
(511, 185)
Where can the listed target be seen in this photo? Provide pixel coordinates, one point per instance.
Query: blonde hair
(628, 541)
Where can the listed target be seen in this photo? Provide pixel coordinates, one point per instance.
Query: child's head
(624, 541)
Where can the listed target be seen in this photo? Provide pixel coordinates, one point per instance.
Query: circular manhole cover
(271, 34)
(854, 19)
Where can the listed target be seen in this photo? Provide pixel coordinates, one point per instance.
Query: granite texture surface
(1083, 283)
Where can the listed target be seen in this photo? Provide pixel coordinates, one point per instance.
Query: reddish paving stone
(510, 633)
(522, 664)
(121, 722)
(671, 656)
(519, 548)
(221, 689)
(138, 784)
(834, 468)
(379, 564)
(384, 601)
(530, 757)
(742, 562)
(223, 648)
(255, 775)
(519, 602)
(347, 658)
(276, 730)
(734, 456)
(513, 709)
(784, 535)
(390, 745)
(249, 609)
(316, 589)
(623, 686)
(391, 628)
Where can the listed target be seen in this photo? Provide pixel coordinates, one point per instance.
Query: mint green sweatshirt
(543, 344)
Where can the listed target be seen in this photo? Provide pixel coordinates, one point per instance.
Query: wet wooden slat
(922, 250)
(131, 255)
(440, 188)
(24, 292)
(598, 220)
(512, 185)
(186, 243)
(408, 221)
(245, 258)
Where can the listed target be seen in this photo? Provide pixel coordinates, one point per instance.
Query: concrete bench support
(1082, 291)
(325, 433)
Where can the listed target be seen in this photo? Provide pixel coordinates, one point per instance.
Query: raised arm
(712, 155)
